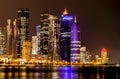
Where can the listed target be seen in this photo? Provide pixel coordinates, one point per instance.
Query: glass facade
(65, 37)
(23, 25)
(75, 43)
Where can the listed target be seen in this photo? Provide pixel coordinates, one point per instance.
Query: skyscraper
(2, 40)
(65, 36)
(54, 25)
(23, 25)
(9, 37)
(14, 38)
(49, 31)
(75, 42)
(44, 33)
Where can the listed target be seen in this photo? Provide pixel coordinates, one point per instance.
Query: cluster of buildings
(57, 38)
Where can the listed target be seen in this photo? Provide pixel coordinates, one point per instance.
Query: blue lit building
(75, 42)
(65, 36)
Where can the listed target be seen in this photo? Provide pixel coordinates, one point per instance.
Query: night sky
(99, 20)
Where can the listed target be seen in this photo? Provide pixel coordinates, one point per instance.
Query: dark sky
(99, 20)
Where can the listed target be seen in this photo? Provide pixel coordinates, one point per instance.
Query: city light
(57, 42)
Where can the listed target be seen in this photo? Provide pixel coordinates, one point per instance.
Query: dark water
(63, 72)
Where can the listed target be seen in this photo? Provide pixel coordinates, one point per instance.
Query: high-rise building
(23, 25)
(49, 31)
(44, 33)
(75, 42)
(65, 36)
(2, 40)
(54, 25)
(104, 58)
(11, 39)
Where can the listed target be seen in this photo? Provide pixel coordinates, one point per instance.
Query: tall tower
(23, 25)
(2, 40)
(49, 31)
(75, 42)
(104, 56)
(65, 36)
(9, 37)
(54, 25)
(44, 35)
(14, 38)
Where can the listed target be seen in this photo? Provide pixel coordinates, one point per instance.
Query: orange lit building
(104, 58)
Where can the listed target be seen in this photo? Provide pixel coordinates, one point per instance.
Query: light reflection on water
(64, 72)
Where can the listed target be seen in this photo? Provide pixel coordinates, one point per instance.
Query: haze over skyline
(99, 20)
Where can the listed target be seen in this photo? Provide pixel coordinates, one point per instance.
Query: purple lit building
(75, 42)
(65, 36)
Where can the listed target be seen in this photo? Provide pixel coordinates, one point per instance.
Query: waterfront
(59, 72)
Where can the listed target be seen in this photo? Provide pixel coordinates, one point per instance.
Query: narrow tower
(65, 36)
(75, 41)
(23, 25)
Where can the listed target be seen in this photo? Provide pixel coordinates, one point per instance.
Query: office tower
(54, 25)
(104, 58)
(75, 42)
(11, 34)
(65, 36)
(44, 33)
(14, 38)
(38, 39)
(9, 37)
(49, 31)
(2, 40)
(34, 45)
(23, 25)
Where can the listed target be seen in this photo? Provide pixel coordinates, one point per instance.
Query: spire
(75, 21)
(65, 12)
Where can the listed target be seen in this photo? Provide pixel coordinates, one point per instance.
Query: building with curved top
(104, 57)
(65, 36)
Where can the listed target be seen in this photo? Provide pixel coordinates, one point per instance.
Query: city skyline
(100, 28)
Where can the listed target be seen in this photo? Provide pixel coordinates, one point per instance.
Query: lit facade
(2, 40)
(54, 25)
(75, 42)
(38, 39)
(44, 33)
(34, 45)
(85, 56)
(65, 36)
(11, 40)
(49, 31)
(9, 37)
(23, 25)
(26, 49)
(104, 58)
(14, 38)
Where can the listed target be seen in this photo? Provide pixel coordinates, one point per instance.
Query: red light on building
(103, 50)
